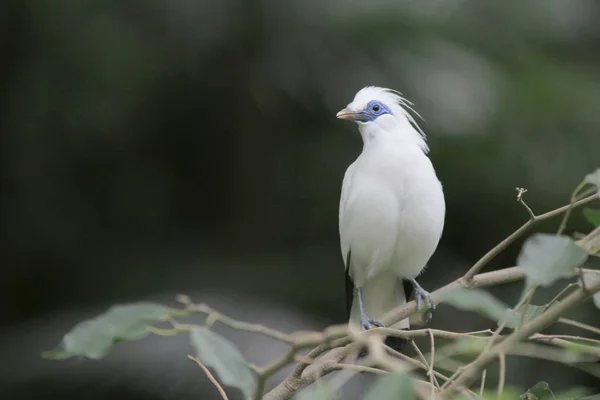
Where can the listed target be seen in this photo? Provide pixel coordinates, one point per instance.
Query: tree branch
(300, 378)
(335, 340)
(210, 377)
(534, 219)
(471, 371)
(214, 316)
(502, 377)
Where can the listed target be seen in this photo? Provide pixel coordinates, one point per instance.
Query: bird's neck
(374, 136)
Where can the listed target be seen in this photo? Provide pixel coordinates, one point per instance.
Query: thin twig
(215, 316)
(504, 322)
(210, 377)
(559, 295)
(502, 359)
(420, 354)
(563, 222)
(526, 305)
(442, 334)
(432, 353)
(489, 256)
(566, 337)
(431, 362)
(582, 348)
(578, 324)
(520, 193)
(533, 350)
(417, 364)
(471, 371)
(483, 261)
(453, 377)
(427, 365)
(482, 386)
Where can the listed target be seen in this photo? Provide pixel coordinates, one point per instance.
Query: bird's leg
(366, 322)
(421, 294)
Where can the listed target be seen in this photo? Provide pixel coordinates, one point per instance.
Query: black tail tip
(396, 343)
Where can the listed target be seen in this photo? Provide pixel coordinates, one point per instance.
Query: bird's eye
(375, 107)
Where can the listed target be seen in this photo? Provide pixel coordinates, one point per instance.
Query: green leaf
(546, 258)
(475, 300)
(316, 391)
(469, 345)
(512, 318)
(221, 355)
(575, 347)
(593, 178)
(392, 386)
(509, 393)
(541, 391)
(93, 338)
(589, 278)
(593, 216)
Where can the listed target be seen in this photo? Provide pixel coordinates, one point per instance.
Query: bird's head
(381, 112)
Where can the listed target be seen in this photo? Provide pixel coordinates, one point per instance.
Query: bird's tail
(380, 294)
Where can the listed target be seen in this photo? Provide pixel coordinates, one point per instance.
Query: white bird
(392, 208)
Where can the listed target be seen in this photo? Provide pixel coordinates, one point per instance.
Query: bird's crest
(397, 103)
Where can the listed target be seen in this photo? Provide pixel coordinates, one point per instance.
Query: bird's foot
(369, 323)
(422, 295)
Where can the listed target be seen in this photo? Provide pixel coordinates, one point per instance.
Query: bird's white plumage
(392, 206)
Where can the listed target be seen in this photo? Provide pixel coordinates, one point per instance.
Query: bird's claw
(370, 323)
(420, 295)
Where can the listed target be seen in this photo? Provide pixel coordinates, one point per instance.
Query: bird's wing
(346, 184)
(346, 252)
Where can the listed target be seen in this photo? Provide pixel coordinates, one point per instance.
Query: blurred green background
(156, 147)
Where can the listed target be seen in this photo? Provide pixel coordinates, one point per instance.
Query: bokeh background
(158, 147)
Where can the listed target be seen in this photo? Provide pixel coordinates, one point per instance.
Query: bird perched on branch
(391, 208)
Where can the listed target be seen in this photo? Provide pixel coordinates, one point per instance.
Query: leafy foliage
(507, 394)
(546, 258)
(540, 391)
(475, 300)
(543, 258)
(469, 345)
(392, 386)
(93, 338)
(512, 318)
(593, 216)
(220, 354)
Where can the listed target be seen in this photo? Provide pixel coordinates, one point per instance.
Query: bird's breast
(394, 214)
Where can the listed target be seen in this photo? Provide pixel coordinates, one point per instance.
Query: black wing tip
(349, 285)
(396, 343)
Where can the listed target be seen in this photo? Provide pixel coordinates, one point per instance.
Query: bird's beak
(346, 114)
